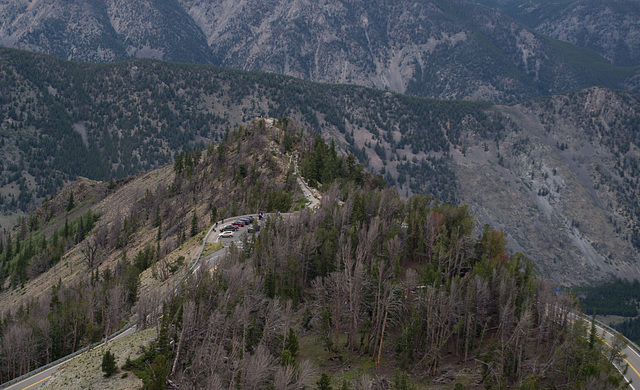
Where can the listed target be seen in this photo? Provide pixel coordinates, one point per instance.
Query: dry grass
(85, 371)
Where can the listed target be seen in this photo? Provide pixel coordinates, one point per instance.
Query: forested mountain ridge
(98, 247)
(441, 49)
(62, 119)
(611, 28)
(99, 31)
(403, 293)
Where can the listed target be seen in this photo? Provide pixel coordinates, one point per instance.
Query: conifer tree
(71, 204)
(291, 343)
(109, 364)
(158, 374)
(194, 224)
(324, 383)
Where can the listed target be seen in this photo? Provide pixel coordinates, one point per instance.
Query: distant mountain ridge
(441, 49)
(559, 175)
(610, 28)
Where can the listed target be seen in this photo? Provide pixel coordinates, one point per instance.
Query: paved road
(210, 261)
(632, 358)
(41, 378)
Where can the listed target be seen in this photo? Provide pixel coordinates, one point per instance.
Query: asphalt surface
(41, 378)
(632, 358)
(210, 262)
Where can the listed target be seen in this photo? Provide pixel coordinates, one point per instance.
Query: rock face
(562, 183)
(560, 176)
(444, 49)
(611, 28)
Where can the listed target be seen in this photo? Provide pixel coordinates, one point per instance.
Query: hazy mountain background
(559, 175)
(442, 49)
(611, 28)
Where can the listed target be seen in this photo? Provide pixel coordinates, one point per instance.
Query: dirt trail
(312, 195)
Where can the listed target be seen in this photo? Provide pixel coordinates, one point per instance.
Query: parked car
(254, 228)
(226, 233)
(238, 223)
(229, 228)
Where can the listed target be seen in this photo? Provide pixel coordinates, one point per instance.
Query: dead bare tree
(90, 254)
(257, 368)
(188, 323)
(101, 236)
(117, 299)
(354, 280)
(147, 309)
(390, 306)
(13, 343)
(284, 378)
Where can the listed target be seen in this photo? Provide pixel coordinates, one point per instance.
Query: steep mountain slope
(565, 165)
(315, 298)
(444, 49)
(439, 49)
(103, 31)
(61, 119)
(610, 28)
(123, 242)
(563, 180)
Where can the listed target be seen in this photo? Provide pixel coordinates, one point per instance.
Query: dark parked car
(229, 228)
(246, 221)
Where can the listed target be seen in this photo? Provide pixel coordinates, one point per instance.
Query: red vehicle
(229, 228)
(238, 223)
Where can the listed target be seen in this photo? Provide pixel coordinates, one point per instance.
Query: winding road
(632, 357)
(41, 376)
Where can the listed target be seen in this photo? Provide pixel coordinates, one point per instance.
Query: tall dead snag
(147, 310)
(349, 265)
(337, 293)
(188, 322)
(116, 306)
(89, 249)
(391, 307)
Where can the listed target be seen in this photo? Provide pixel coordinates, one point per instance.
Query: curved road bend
(633, 358)
(632, 376)
(211, 261)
